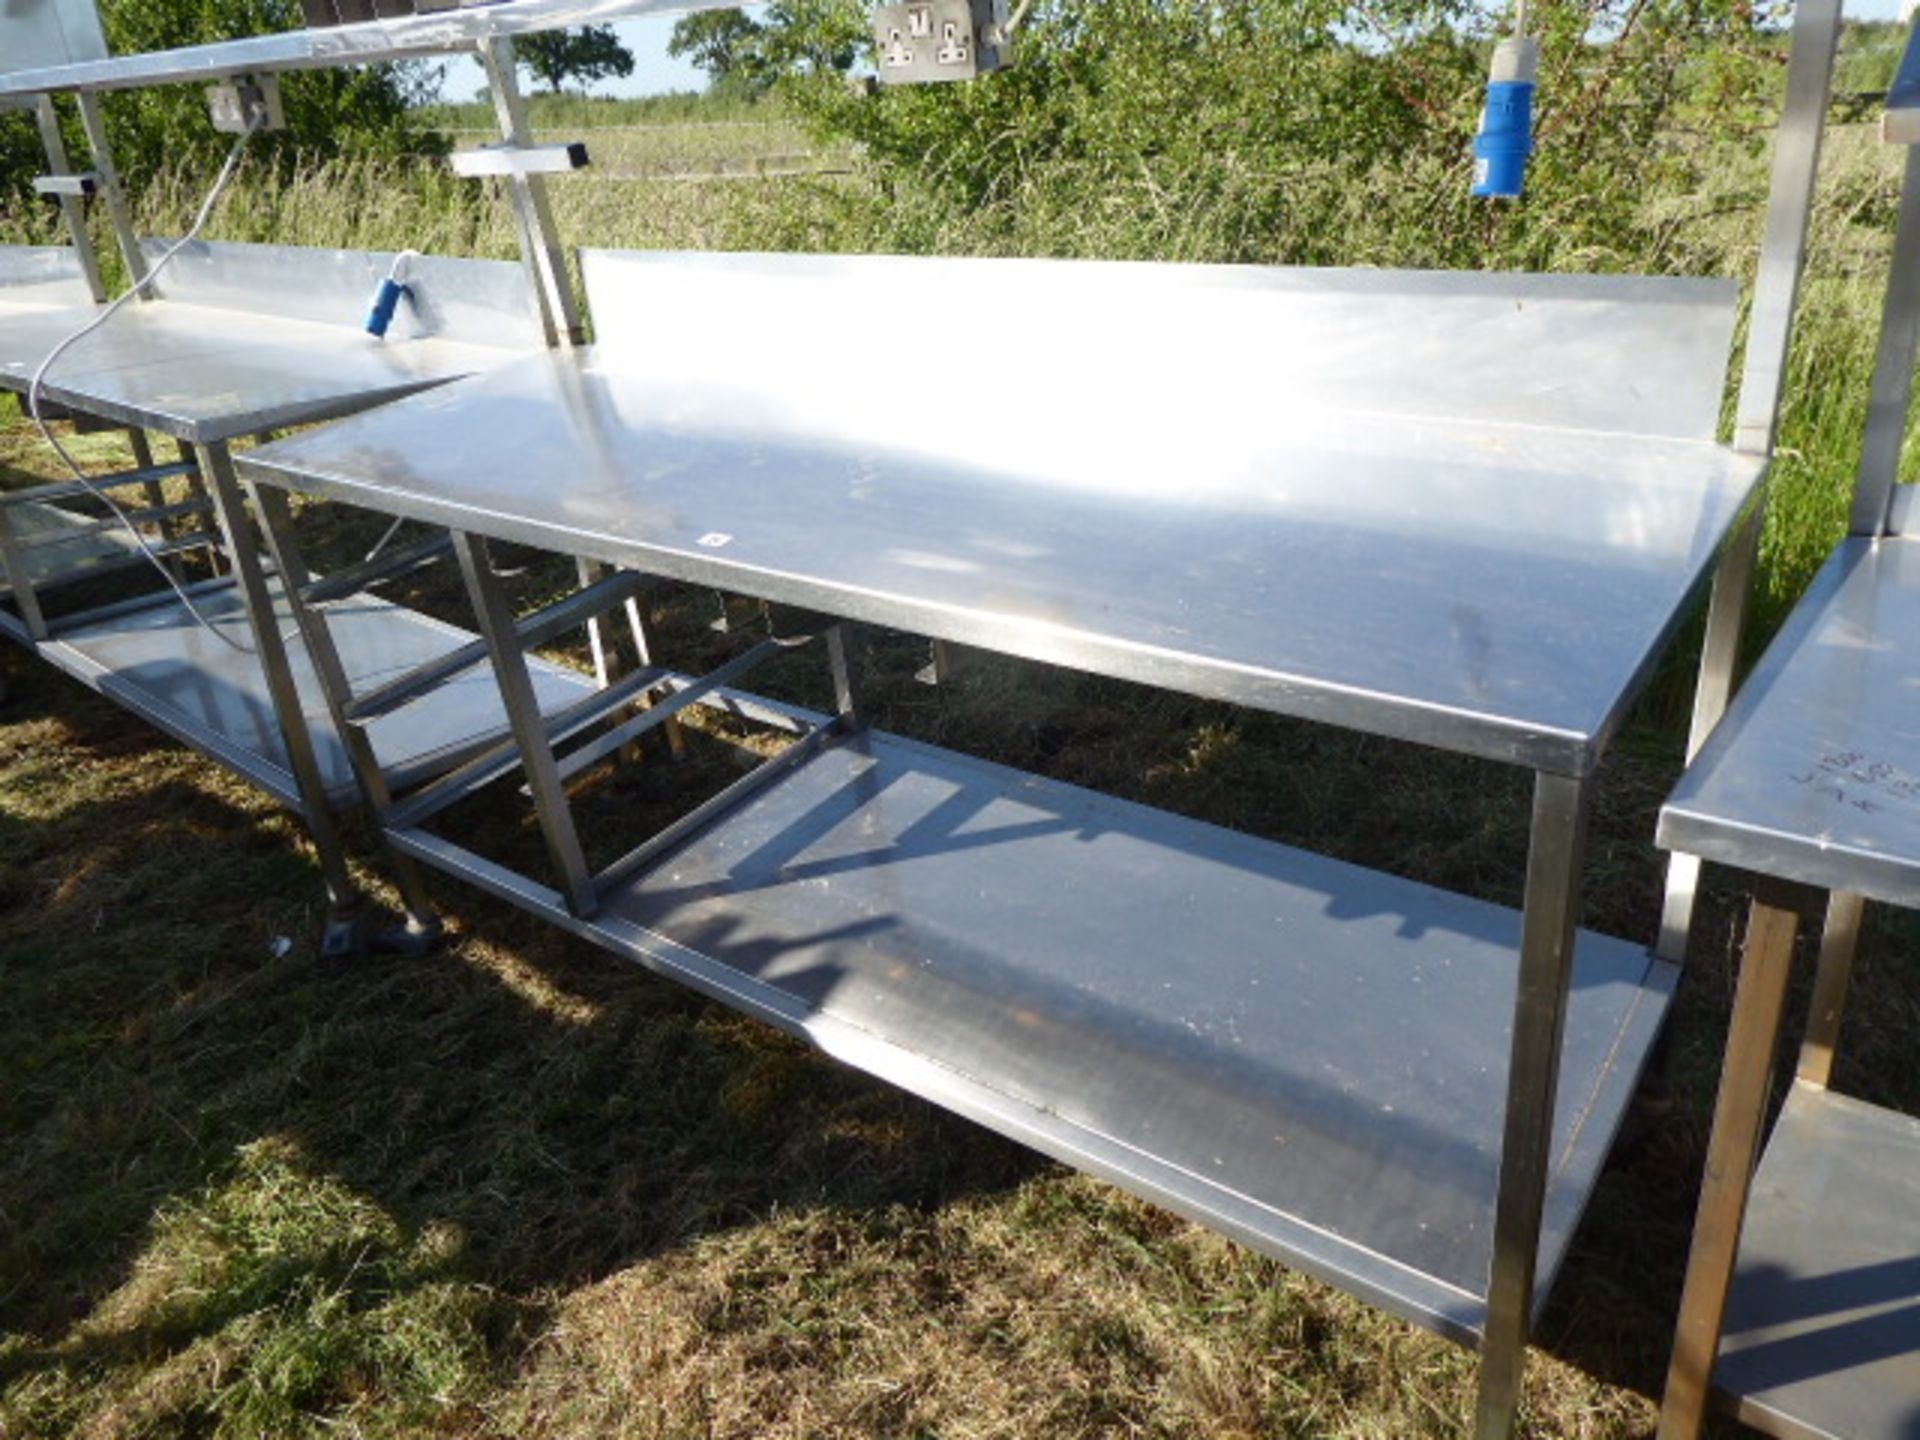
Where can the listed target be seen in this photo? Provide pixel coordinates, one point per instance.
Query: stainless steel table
(1803, 1299)
(244, 339)
(1466, 510)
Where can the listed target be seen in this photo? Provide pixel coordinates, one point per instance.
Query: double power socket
(931, 40)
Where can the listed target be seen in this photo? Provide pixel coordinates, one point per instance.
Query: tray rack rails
(1801, 1310)
(1403, 1091)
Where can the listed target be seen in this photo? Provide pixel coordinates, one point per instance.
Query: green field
(519, 1189)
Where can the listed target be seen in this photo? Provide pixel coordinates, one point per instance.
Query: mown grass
(518, 1189)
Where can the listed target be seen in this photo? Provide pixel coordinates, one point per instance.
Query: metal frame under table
(243, 340)
(1478, 537)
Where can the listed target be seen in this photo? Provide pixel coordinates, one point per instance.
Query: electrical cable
(34, 388)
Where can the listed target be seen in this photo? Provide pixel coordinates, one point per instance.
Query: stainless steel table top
(255, 337)
(1494, 588)
(1814, 774)
(206, 375)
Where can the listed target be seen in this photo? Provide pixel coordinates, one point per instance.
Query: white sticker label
(714, 539)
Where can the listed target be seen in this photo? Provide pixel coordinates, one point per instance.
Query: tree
(719, 42)
(593, 52)
(795, 38)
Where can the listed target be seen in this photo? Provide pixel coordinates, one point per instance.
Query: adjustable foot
(344, 936)
(359, 934)
(410, 939)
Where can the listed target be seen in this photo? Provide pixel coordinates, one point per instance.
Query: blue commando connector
(1505, 140)
(393, 289)
(384, 305)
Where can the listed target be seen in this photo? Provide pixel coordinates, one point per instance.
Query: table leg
(1732, 1151)
(230, 508)
(1556, 852)
(1839, 940)
(422, 925)
(495, 620)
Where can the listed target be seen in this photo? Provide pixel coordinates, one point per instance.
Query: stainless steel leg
(1839, 943)
(1732, 1152)
(277, 527)
(230, 509)
(846, 675)
(1719, 657)
(1555, 856)
(495, 619)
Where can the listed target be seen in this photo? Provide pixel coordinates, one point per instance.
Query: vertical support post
(1892, 365)
(495, 620)
(1732, 1152)
(1556, 852)
(1839, 943)
(73, 209)
(216, 463)
(95, 124)
(1763, 375)
(540, 247)
(276, 526)
(845, 665)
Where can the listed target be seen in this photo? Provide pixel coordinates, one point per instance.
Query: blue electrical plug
(384, 305)
(387, 300)
(1505, 140)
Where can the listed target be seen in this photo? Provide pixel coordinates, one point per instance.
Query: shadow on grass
(517, 1114)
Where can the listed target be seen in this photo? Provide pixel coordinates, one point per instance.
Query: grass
(520, 1190)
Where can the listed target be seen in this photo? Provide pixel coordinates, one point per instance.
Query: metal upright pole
(72, 208)
(1763, 374)
(271, 651)
(1732, 1152)
(95, 124)
(1892, 366)
(1556, 852)
(540, 247)
(495, 619)
(276, 526)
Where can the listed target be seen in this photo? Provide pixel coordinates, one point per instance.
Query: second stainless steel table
(1461, 509)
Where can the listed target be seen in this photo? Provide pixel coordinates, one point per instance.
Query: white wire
(46, 365)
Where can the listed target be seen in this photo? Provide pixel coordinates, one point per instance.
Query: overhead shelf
(1300, 1053)
(366, 43)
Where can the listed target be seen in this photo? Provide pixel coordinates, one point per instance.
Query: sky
(655, 74)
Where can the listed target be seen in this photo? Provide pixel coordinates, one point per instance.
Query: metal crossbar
(355, 578)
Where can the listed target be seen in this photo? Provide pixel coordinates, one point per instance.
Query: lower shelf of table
(161, 664)
(1302, 1054)
(1822, 1340)
(79, 553)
